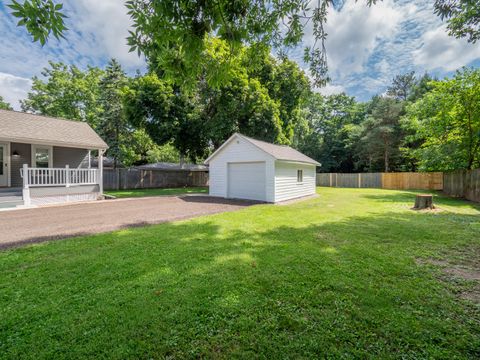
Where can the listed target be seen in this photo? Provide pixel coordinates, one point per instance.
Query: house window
(41, 156)
(299, 176)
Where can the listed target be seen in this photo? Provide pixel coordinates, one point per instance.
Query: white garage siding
(247, 181)
(239, 151)
(247, 168)
(286, 185)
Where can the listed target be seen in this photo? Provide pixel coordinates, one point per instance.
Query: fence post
(26, 190)
(117, 179)
(67, 176)
(359, 180)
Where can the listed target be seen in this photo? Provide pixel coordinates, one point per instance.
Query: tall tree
(166, 114)
(243, 106)
(5, 105)
(66, 92)
(330, 121)
(140, 149)
(447, 122)
(112, 123)
(286, 84)
(421, 87)
(402, 86)
(381, 135)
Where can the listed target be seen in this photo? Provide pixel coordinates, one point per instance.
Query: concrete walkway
(57, 222)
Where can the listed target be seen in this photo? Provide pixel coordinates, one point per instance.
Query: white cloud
(355, 32)
(367, 47)
(97, 32)
(105, 24)
(331, 89)
(440, 51)
(14, 88)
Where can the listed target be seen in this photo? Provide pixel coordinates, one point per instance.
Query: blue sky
(366, 46)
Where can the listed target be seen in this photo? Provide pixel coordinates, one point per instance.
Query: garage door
(247, 181)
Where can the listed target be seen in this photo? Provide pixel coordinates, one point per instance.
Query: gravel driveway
(56, 222)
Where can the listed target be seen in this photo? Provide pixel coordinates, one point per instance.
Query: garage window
(299, 176)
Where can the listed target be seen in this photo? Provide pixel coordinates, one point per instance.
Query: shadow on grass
(199, 289)
(409, 198)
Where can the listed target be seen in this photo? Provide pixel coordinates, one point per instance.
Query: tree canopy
(462, 16)
(446, 120)
(5, 105)
(174, 34)
(420, 123)
(41, 18)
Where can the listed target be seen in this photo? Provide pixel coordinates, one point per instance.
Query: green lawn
(348, 274)
(156, 192)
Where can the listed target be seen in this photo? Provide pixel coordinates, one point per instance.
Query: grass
(334, 276)
(157, 192)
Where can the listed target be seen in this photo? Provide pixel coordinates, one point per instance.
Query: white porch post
(26, 188)
(67, 176)
(100, 170)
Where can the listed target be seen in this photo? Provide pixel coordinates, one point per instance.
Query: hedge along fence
(124, 179)
(394, 181)
(463, 183)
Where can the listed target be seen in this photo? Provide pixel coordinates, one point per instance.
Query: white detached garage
(245, 168)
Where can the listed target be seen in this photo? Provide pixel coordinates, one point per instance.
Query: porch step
(10, 198)
(10, 192)
(10, 204)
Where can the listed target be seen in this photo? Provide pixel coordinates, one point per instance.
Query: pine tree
(113, 124)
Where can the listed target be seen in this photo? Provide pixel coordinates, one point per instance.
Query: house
(245, 168)
(46, 160)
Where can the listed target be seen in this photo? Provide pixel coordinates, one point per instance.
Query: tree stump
(423, 201)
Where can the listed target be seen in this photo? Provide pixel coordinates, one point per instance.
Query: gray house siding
(62, 156)
(73, 157)
(24, 156)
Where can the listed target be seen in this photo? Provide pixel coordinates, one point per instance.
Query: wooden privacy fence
(394, 181)
(463, 183)
(123, 179)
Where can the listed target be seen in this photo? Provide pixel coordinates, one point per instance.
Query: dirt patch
(472, 295)
(428, 211)
(435, 262)
(468, 269)
(462, 273)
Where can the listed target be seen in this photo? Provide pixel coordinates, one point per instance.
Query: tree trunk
(423, 201)
(387, 165)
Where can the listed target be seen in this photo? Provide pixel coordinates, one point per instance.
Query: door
(247, 181)
(3, 165)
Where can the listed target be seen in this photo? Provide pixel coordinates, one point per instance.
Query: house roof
(172, 166)
(43, 130)
(279, 152)
(107, 162)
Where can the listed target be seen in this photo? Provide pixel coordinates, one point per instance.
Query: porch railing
(37, 177)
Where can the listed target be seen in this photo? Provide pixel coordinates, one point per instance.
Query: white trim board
(7, 156)
(50, 143)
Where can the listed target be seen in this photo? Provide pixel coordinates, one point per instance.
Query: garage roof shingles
(281, 152)
(29, 128)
